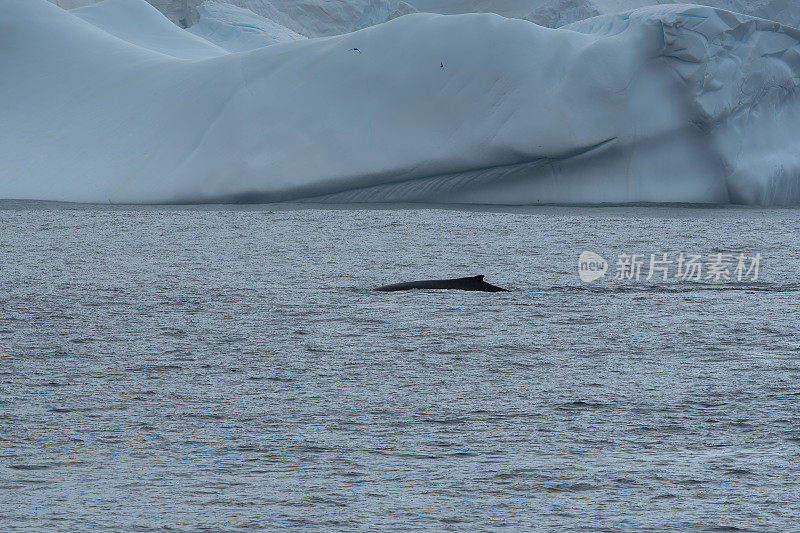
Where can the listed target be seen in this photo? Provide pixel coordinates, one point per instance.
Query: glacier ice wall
(665, 104)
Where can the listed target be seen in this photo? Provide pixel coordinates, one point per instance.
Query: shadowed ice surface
(228, 368)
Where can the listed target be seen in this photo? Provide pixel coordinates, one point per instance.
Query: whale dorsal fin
(478, 278)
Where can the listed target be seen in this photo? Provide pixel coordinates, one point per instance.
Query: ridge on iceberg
(139, 23)
(666, 104)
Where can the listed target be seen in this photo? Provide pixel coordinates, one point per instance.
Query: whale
(473, 283)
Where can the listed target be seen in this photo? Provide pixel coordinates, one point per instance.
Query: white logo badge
(591, 267)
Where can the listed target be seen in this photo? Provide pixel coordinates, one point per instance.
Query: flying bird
(356, 49)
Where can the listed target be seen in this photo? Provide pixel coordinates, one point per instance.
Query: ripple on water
(229, 368)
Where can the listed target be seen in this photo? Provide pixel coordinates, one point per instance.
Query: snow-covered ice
(665, 104)
(555, 13)
(506, 8)
(139, 23)
(237, 29)
(319, 18)
(314, 18)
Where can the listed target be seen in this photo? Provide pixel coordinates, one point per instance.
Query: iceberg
(321, 18)
(557, 13)
(674, 103)
(72, 4)
(237, 29)
(310, 18)
(139, 23)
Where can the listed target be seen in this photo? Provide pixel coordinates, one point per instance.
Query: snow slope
(237, 29)
(666, 104)
(139, 23)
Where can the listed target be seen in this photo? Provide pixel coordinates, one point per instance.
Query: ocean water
(222, 368)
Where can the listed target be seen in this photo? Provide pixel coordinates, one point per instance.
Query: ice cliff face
(666, 104)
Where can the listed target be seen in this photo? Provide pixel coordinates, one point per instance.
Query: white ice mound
(668, 104)
(139, 23)
(237, 29)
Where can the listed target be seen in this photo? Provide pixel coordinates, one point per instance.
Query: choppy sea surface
(226, 368)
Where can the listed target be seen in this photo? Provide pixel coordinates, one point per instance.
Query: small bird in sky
(356, 49)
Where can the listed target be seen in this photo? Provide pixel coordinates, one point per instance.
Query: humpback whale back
(473, 283)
